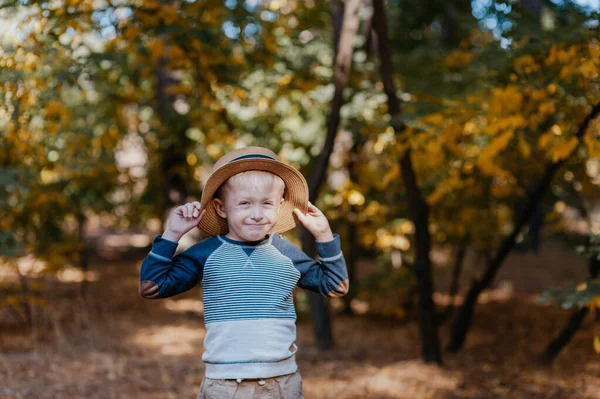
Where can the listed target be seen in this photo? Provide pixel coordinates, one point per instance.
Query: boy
(247, 272)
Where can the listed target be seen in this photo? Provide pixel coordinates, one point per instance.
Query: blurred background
(453, 145)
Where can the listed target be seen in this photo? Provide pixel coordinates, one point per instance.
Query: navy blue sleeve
(328, 276)
(163, 275)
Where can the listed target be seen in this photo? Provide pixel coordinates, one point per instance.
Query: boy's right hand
(182, 220)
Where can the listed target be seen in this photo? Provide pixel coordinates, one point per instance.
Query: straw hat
(254, 158)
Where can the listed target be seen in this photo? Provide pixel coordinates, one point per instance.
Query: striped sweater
(247, 292)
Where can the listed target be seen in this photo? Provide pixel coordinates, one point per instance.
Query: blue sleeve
(163, 275)
(328, 276)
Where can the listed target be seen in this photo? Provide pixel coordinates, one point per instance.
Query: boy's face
(251, 209)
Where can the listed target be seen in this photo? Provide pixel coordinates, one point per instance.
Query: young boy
(247, 272)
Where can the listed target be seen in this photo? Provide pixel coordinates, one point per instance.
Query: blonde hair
(257, 178)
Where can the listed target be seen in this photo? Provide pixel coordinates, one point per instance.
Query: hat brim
(295, 194)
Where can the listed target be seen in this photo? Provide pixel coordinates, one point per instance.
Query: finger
(179, 211)
(197, 213)
(188, 210)
(196, 204)
(299, 214)
(313, 209)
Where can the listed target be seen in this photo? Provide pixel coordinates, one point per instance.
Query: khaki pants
(287, 386)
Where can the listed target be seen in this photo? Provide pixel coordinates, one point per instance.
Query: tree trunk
(418, 208)
(370, 45)
(319, 306)
(26, 295)
(173, 158)
(343, 61)
(341, 75)
(353, 254)
(353, 245)
(462, 322)
(83, 253)
(456, 273)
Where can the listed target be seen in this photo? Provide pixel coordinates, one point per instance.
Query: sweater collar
(264, 241)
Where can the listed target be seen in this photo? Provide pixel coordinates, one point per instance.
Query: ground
(119, 345)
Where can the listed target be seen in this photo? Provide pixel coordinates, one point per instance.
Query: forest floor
(119, 345)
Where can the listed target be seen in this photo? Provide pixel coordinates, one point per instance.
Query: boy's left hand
(315, 222)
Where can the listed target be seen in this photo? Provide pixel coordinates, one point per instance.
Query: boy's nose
(256, 217)
(256, 214)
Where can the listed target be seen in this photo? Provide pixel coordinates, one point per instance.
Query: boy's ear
(219, 207)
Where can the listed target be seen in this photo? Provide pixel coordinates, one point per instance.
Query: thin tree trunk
(343, 61)
(462, 322)
(456, 273)
(341, 74)
(173, 161)
(353, 246)
(574, 323)
(319, 306)
(418, 208)
(83, 253)
(351, 259)
(370, 45)
(25, 298)
(25, 291)
(337, 18)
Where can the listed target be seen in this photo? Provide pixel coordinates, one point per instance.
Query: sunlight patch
(185, 305)
(70, 274)
(171, 340)
(406, 379)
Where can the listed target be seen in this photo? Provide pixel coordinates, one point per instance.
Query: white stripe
(331, 258)
(233, 294)
(159, 257)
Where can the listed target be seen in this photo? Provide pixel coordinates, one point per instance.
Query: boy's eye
(268, 203)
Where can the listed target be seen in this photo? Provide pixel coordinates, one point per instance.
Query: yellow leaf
(434, 119)
(156, 48)
(168, 14)
(547, 108)
(130, 32)
(391, 175)
(285, 80)
(594, 303)
(524, 148)
(563, 150)
(355, 198)
(592, 145)
(496, 146)
(525, 65)
(437, 194)
(545, 140)
(458, 58)
(56, 112)
(597, 343)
